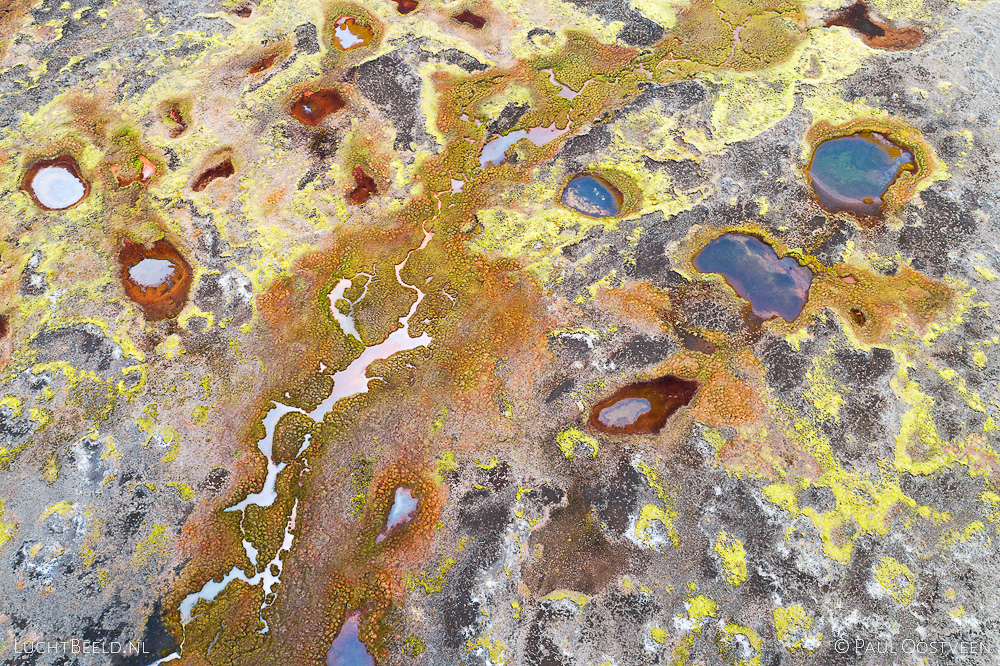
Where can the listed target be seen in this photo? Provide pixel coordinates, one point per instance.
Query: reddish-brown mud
(365, 187)
(263, 63)
(470, 19)
(405, 6)
(313, 106)
(224, 169)
(875, 33)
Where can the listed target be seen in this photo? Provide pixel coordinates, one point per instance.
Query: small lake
(592, 195)
(493, 151)
(774, 287)
(851, 173)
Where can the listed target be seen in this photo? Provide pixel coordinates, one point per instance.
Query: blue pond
(592, 195)
(347, 648)
(774, 287)
(851, 173)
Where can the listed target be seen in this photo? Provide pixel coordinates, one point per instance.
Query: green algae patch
(184, 491)
(733, 34)
(699, 607)
(749, 104)
(864, 504)
(412, 647)
(156, 545)
(577, 598)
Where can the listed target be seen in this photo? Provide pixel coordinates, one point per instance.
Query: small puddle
(364, 187)
(222, 170)
(349, 34)
(146, 172)
(312, 106)
(851, 173)
(347, 648)
(624, 412)
(346, 322)
(875, 33)
(55, 184)
(157, 279)
(468, 18)
(267, 576)
(404, 508)
(177, 118)
(773, 286)
(493, 151)
(150, 273)
(592, 195)
(262, 64)
(644, 407)
(405, 6)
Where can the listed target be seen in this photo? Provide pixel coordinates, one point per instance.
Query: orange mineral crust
(158, 279)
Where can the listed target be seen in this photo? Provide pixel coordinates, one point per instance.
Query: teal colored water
(592, 196)
(347, 648)
(851, 173)
(773, 286)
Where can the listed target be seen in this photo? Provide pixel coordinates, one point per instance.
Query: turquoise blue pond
(851, 173)
(347, 648)
(773, 286)
(592, 196)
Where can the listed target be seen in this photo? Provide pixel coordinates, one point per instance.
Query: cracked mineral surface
(534, 333)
